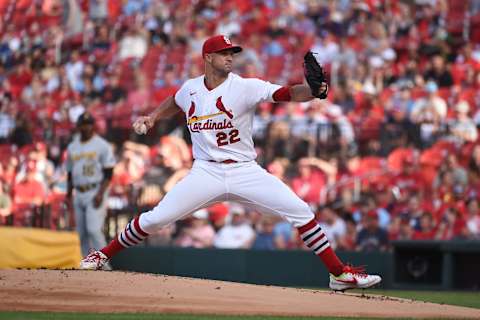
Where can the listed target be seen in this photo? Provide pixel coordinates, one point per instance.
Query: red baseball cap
(372, 214)
(218, 43)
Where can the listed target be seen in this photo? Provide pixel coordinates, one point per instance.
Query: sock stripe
(128, 238)
(313, 241)
(319, 244)
(125, 239)
(136, 226)
(314, 237)
(132, 232)
(309, 231)
(322, 247)
(307, 235)
(316, 240)
(309, 226)
(122, 241)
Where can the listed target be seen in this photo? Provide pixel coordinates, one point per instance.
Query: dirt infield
(83, 291)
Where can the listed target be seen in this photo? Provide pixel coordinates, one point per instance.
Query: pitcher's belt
(224, 161)
(86, 187)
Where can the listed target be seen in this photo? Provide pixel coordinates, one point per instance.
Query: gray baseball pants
(90, 220)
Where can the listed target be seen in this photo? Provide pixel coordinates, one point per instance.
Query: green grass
(89, 316)
(458, 298)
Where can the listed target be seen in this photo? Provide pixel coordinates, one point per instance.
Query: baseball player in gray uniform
(90, 163)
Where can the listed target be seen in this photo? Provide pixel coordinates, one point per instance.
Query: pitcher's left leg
(256, 187)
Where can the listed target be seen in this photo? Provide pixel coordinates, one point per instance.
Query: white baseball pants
(244, 182)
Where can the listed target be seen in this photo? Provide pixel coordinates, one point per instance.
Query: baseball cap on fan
(85, 118)
(218, 43)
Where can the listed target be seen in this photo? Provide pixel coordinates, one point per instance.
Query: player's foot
(107, 267)
(95, 260)
(353, 278)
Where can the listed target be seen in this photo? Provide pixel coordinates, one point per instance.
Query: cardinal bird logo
(191, 111)
(222, 108)
(209, 125)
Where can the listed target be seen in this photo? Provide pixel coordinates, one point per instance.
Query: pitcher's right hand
(143, 124)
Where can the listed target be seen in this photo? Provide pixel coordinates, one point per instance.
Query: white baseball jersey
(86, 160)
(220, 123)
(220, 120)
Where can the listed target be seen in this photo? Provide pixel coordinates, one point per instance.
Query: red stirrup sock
(132, 235)
(314, 238)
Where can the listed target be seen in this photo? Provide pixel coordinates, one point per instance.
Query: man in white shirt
(333, 226)
(237, 234)
(219, 107)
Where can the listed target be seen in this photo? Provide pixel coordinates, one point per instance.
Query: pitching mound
(84, 291)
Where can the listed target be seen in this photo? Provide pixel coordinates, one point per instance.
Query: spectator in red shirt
(452, 225)
(409, 179)
(138, 100)
(367, 118)
(348, 241)
(20, 79)
(400, 228)
(27, 194)
(309, 182)
(63, 93)
(473, 222)
(427, 228)
(29, 190)
(167, 87)
(445, 187)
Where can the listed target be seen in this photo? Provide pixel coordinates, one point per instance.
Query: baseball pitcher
(90, 163)
(219, 108)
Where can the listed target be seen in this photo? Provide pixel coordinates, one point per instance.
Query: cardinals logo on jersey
(191, 111)
(222, 108)
(195, 124)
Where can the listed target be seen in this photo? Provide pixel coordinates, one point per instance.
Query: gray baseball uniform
(86, 161)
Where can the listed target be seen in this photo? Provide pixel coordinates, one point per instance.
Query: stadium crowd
(393, 153)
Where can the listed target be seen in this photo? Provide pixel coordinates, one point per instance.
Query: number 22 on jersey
(224, 138)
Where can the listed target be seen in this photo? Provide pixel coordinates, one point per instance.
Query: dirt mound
(84, 291)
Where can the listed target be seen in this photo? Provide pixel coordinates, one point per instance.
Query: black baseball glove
(315, 76)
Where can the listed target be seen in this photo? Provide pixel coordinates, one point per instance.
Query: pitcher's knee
(153, 220)
(300, 216)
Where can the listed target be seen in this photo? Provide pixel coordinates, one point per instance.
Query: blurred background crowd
(392, 154)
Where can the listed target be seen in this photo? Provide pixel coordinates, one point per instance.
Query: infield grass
(458, 298)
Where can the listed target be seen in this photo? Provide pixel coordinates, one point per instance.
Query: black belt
(86, 187)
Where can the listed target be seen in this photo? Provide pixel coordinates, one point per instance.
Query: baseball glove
(315, 76)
